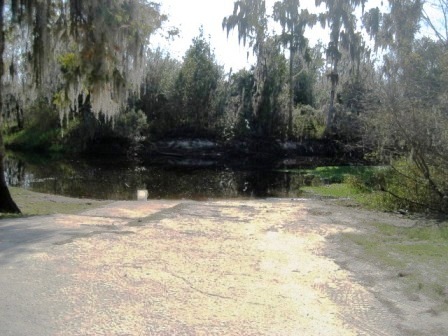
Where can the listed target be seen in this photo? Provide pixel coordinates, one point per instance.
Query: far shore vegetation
(375, 94)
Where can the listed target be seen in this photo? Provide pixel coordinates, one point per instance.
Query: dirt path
(262, 267)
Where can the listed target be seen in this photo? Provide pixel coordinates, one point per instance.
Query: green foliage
(157, 99)
(75, 47)
(425, 72)
(42, 116)
(340, 18)
(131, 124)
(354, 191)
(411, 190)
(357, 182)
(308, 122)
(238, 117)
(338, 174)
(41, 129)
(33, 139)
(293, 25)
(339, 190)
(364, 185)
(270, 118)
(193, 96)
(196, 86)
(399, 187)
(293, 22)
(70, 65)
(304, 85)
(410, 126)
(249, 18)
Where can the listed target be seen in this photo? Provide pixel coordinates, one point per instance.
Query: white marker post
(142, 195)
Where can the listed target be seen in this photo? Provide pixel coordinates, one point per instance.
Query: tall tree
(271, 121)
(239, 104)
(249, 18)
(397, 28)
(293, 23)
(412, 117)
(341, 20)
(197, 83)
(157, 91)
(107, 41)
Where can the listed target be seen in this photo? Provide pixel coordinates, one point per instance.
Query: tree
(107, 41)
(158, 91)
(341, 20)
(249, 18)
(409, 126)
(6, 202)
(293, 23)
(396, 29)
(439, 27)
(196, 84)
(239, 104)
(270, 121)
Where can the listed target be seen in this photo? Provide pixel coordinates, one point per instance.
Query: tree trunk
(6, 202)
(19, 118)
(334, 77)
(258, 96)
(7, 205)
(291, 90)
(330, 114)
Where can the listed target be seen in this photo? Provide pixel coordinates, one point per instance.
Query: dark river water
(111, 180)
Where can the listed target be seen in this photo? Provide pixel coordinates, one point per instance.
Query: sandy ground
(262, 267)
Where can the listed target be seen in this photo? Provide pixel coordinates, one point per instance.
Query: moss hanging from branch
(102, 46)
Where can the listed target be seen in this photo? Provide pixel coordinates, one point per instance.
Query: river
(110, 179)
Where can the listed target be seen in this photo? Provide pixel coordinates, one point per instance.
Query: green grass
(359, 184)
(372, 200)
(417, 254)
(356, 185)
(375, 249)
(32, 204)
(336, 190)
(433, 233)
(337, 174)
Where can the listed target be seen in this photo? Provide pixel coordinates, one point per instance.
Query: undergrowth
(361, 185)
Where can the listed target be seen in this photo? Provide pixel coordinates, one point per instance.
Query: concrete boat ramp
(230, 267)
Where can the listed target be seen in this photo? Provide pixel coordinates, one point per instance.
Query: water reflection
(120, 181)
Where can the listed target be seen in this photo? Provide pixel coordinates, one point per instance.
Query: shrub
(308, 122)
(41, 129)
(414, 190)
(131, 124)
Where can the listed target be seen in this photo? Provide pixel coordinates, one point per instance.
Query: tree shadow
(24, 236)
(28, 235)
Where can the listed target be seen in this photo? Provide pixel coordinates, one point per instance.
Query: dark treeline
(383, 97)
(192, 98)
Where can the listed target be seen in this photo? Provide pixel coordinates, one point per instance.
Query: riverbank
(198, 152)
(35, 204)
(254, 267)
